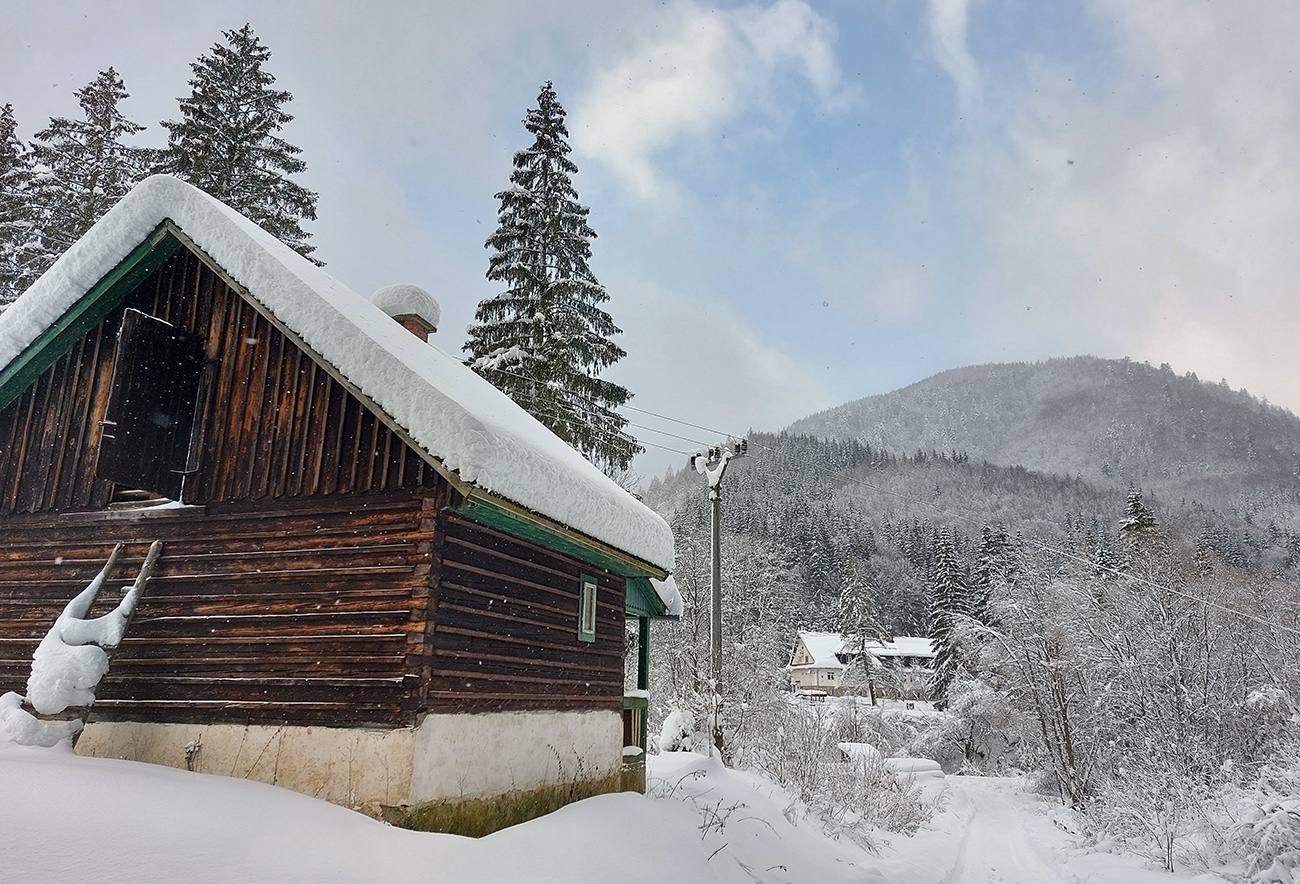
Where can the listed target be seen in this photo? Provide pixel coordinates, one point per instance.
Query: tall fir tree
(83, 166)
(994, 564)
(544, 340)
(20, 239)
(949, 604)
(225, 142)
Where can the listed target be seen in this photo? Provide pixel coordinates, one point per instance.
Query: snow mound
(863, 752)
(917, 768)
(408, 300)
(21, 728)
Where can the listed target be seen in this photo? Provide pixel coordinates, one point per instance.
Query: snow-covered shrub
(678, 733)
(979, 732)
(1270, 720)
(853, 795)
(1265, 837)
(1152, 811)
(890, 727)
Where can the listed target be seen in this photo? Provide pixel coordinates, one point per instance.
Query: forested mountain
(1113, 423)
(807, 511)
(1085, 630)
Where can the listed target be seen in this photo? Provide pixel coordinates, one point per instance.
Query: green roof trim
(521, 523)
(642, 600)
(84, 315)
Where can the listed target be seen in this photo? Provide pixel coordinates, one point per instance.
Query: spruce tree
(949, 604)
(82, 166)
(544, 340)
(20, 242)
(225, 142)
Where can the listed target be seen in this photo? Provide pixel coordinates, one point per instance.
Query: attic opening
(148, 430)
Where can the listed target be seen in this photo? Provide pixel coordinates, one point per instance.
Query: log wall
(274, 424)
(505, 627)
(294, 614)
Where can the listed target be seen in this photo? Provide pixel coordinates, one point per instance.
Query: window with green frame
(587, 608)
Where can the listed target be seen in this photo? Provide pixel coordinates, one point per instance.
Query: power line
(683, 423)
(666, 433)
(523, 377)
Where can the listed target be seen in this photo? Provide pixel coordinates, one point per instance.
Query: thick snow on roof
(408, 300)
(668, 593)
(455, 415)
(824, 646)
(903, 646)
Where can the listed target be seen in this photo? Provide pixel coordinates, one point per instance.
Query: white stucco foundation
(354, 767)
(445, 757)
(461, 756)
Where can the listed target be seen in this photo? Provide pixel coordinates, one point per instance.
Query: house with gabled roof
(900, 668)
(382, 582)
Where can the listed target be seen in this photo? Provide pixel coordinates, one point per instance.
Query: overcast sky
(798, 203)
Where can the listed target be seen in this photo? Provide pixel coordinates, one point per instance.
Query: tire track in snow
(996, 848)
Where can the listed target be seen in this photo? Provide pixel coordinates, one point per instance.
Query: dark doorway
(150, 417)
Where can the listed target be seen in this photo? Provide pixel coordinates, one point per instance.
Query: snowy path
(992, 831)
(998, 846)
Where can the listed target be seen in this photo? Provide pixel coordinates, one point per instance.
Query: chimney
(413, 307)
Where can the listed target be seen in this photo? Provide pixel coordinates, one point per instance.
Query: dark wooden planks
(274, 423)
(289, 612)
(504, 615)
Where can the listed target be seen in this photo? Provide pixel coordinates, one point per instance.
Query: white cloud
(947, 21)
(697, 359)
(714, 67)
(1157, 218)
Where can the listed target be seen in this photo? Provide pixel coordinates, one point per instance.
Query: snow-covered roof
(825, 648)
(822, 647)
(668, 593)
(458, 418)
(902, 646)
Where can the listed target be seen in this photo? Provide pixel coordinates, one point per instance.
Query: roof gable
(456, 417)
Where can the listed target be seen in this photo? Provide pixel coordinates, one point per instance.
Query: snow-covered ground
(64, 817)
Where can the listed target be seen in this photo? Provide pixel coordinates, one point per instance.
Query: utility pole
(713, 466)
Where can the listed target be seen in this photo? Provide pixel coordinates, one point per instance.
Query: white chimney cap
(407, 301)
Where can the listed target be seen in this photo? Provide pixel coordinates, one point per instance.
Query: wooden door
(146, 430)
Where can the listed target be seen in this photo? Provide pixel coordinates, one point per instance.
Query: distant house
(901, 668)
(382, 583)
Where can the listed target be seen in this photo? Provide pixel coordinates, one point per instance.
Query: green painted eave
(527, 525)
(642, 600)
(86, 313)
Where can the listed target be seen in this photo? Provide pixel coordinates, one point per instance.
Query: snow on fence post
(75, 654)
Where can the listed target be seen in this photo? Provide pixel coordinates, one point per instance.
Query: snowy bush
(890, 728)
(979, 733)
(1264, 822)
(853, 795)
(678, 733)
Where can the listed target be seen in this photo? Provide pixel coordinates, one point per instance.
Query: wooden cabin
(382, 582)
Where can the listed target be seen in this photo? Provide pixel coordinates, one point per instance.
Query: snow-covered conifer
(994, 563)
(226, 141)
(82, 166)
(20, 241)
(544, 340)
(949, 603)
(1138, 517)
(859, 616)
